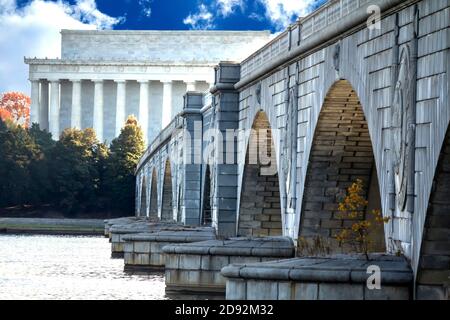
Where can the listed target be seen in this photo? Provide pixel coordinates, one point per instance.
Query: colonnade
(46, 104)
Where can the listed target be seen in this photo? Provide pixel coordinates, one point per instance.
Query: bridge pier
(143, 252)
(316, 278)
(119, 232)
(225, 167)
(195, 267)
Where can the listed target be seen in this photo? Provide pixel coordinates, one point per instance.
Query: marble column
(54, 109)
(43, 106)
(190, 86)
(120, 105)
(167, 104)
(34, 108)
(98, 109)
(143, 107)
(75, 119)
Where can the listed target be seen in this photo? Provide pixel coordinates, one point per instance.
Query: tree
(74, 171)
(5, 115)
(353, 207)
(126, 150)
(17, 151)
(41, 188)
(18, 106)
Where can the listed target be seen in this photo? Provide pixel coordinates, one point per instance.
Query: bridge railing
(161, 138)
(166, 133)
(304, 28)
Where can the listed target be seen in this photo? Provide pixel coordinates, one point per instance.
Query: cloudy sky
(31, 28)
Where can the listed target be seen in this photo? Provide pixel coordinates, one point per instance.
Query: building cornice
(69, 62)
(183, 33)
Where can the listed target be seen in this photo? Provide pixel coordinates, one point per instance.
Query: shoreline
(51, 226)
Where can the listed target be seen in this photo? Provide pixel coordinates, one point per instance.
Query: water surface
(69, 267)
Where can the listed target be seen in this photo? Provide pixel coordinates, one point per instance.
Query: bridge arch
(259, 211)
(341, 152)
(206, 219)
(433, 276)
(153, 211)
(143, 204)
(167, 194)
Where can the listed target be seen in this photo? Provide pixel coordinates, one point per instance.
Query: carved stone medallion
(401, 118)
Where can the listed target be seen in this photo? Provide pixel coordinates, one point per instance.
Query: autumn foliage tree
(16, 106)
(5, 115)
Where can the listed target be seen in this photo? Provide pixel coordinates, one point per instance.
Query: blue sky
(170, 14)
(33, 26)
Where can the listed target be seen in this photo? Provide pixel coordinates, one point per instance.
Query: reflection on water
(69, 267)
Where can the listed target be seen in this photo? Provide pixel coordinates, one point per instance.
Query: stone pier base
(195, 267)
(119, 231)
(335, 278)
(122, 221)
(143, 251)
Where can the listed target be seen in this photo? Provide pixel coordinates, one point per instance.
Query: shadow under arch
(153, 212)
(341, 153)
(260, 208)
(433, 275)
(143, 206)
(167, 201)
(206, 207)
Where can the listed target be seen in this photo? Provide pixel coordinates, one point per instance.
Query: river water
(69, 267)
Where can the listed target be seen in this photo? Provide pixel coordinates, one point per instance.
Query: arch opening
(433, 276)
(341, 153)
(143, 207)
(207, 210)
(179, 199)
(153, 212)
(260, 209)
(167, 211)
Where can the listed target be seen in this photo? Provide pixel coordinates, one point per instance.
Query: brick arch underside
(433, 277)
(207, 211)
(341, 153)
(167, 211)
(143, 207)
(153, 212)
(259, 212)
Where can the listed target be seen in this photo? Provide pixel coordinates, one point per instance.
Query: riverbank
(52, 226)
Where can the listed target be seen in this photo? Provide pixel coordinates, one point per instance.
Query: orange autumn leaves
(15, 106)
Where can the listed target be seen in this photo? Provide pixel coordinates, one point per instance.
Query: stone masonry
(342, 101)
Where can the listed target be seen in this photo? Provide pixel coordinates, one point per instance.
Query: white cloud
(146, 7)
(227, 7)
(202, 20)
(34, 30)
(284, 12)
(87, 12)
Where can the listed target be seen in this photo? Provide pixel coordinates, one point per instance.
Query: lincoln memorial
(104, 76)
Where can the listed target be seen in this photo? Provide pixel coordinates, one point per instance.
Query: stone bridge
(343, 94)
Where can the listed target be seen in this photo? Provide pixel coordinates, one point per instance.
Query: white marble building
(104, 76)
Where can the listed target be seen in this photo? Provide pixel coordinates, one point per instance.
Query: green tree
(126, 150)
(74, 171)
(17, 151)
(41, 188)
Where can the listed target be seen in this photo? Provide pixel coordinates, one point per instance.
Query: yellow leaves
(353, 206)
